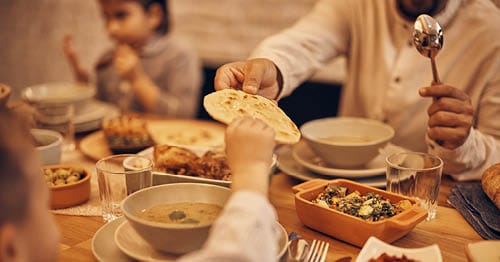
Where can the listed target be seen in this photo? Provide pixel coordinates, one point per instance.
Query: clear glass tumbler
(118, 176)
(416, 175)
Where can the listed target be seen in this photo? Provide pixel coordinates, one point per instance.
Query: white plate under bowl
(288, 165)
(374, 247)
(103, 244)
(160, 178)
(303, 154)
(130, 243)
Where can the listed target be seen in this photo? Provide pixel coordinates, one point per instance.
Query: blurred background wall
(31, 33)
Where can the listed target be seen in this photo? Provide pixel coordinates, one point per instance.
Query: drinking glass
(416, 175)
(57, 117)
(118, 176)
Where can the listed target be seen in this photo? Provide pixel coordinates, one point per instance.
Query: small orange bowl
(71, 194)
(349, 228)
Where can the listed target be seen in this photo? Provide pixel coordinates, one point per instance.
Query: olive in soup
(182, 213)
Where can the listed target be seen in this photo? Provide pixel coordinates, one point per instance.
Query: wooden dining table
(449, 230)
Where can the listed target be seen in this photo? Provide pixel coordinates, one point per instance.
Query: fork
(317, 251)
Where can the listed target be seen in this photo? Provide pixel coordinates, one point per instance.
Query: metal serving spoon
(428, 39)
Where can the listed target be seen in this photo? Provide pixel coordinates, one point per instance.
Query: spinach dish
(370, 207)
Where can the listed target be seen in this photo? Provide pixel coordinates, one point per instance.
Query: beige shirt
(385, 70)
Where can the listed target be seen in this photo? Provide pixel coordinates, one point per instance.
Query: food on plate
(182, 161)
(369, 207)
(185, 132)
(491, 183)
(63, 176)
(173, 159)
(126, 133)
(384, 257)
(228, 104)
(182, 213)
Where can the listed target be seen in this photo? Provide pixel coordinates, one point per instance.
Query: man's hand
(256, 76)
(126, 62)
(451, 115)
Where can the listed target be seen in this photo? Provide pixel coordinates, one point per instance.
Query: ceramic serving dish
(160, 177)
(374, 247)
(349, 228)
(63, 196)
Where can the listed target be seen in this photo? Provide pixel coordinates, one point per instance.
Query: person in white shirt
(389, 80)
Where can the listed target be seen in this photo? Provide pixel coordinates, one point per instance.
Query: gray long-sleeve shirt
(173, 66)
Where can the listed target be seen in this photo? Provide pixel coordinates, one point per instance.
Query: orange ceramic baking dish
(349, 228)
(70, 194)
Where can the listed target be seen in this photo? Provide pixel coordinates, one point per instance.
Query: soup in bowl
(346, 142)
(175, 218)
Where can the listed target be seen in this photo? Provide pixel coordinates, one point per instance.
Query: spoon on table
(428, 39)
(297, 248)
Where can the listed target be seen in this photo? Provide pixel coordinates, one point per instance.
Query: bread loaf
(491, 183)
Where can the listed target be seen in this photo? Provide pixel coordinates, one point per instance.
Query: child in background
(147, 70)
(24, 198)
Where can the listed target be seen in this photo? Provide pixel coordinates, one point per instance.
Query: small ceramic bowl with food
(346, 142)
(175, 218)
(48, 144)
(352, 212)
(69, 185)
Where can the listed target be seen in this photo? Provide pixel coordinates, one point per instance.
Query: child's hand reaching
(70, 53)
(249, 150)
(126, 62)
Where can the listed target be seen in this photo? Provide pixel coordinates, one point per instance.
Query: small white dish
(484, 250)
(303, 154)
(130, 243)
(160, 178)
(291, 167)
(103, 245)
(374, 247)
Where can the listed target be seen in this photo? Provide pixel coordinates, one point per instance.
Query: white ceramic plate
(89, 115)
(289, 166)
(167, 178)
(374, 247)
(103, 245)
(303, 154)
(130, 243)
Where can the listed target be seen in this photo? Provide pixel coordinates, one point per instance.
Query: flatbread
(229, 104)
(185, 132)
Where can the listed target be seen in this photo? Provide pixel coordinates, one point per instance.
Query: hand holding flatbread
(229, 104)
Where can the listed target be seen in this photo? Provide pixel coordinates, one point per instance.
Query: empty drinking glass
(416, 175)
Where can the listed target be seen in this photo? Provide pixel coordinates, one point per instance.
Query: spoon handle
(435, 72)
